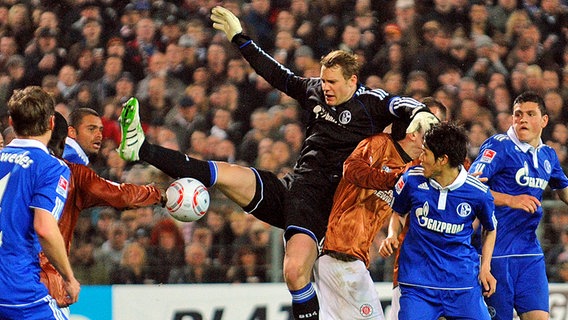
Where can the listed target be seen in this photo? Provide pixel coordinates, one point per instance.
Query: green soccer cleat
(131, 129)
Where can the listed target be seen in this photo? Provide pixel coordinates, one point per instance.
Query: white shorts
(346, 290)
(395, 303)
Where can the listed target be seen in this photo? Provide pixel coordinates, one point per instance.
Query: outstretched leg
(238, 183)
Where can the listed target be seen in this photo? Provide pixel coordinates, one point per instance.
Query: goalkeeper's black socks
(178, 165)
(305, 304)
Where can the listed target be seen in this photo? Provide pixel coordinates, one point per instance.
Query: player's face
(415, 145)
(431, 164)
(528, 122)
(335, 87)
(88, 134)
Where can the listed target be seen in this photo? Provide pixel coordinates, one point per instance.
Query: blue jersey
(516, 168)
(437, 250)
(74, 153)
(30, 178)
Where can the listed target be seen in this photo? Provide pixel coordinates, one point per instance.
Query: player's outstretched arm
(487, 280)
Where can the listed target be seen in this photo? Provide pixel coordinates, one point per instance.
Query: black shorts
(295, 203)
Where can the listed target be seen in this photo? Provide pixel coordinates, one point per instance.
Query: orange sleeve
(358, 167)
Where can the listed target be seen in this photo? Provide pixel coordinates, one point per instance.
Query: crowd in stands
(198, 95)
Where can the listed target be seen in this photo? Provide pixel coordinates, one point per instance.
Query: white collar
(458, 182)
(524, 146)
(28, 143)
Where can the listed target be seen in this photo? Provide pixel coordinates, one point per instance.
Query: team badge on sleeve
(62, 186)
(488, 155)
(399, 185)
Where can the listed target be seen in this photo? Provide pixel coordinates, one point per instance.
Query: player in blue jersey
(518, 167)
(33, 190)
(439, 269)
(85, 136)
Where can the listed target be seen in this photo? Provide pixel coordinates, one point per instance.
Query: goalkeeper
(340, 112)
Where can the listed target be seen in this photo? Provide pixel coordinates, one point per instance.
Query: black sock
(178, 165)
(305, 304)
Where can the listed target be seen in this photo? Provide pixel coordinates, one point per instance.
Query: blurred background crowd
(199, 96)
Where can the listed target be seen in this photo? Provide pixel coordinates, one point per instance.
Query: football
(187, 199)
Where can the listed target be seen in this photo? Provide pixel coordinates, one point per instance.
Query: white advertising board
(269, 301)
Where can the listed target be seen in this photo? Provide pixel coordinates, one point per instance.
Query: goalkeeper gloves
(224, 20)
(422, 121)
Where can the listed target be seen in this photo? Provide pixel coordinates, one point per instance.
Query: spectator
(91, 38)
(141, 48)
(433, 60)
(488, 60)
(166, 250)
(197, 268)
(238, 74)
(184, 118)
(45, 58)
(534, 79)
(157, 104)
(261, 127)
(124, 88)
(87, 68)
(170, 31)
(16, 78)
(240, 227)
(445, 13)
(88, 270)
(133, 268)
(258, 18)
(115, 47)
(222, 237)
(499, 14)
(478, 23)
(246, 268)
(19, 24)
(8, 48)
(158, 68)
(105, 87)
(550, 79)
(67, 82)
(179, 65)
(329, 35)
(110, 253)
(216, 62)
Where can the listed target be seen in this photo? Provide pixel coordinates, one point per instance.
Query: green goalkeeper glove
(224, 20)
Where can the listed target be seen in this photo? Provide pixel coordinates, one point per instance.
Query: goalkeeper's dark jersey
(332, 133)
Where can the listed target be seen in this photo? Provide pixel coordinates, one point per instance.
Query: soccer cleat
(131, 129)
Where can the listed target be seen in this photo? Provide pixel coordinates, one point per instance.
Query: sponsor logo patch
(399, 185)
(62, 186)
(488, 155)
